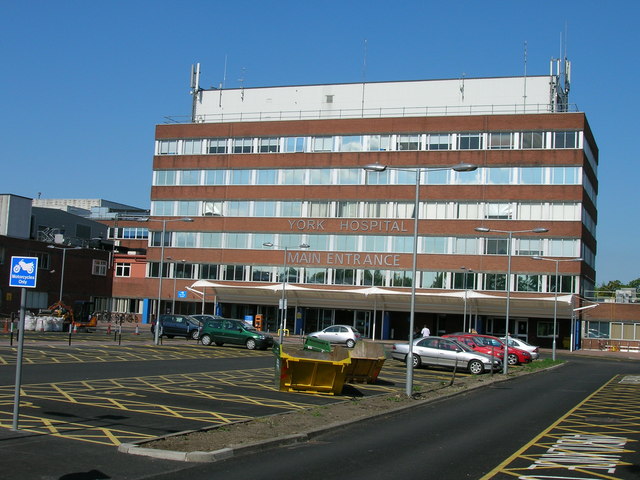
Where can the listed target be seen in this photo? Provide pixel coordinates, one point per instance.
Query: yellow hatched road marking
(576, 422)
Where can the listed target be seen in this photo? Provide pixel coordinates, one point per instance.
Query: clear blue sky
(85, 82)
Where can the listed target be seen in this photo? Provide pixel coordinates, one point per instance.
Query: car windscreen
(463, 346)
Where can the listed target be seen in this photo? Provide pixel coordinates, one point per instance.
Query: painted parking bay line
(599, 438)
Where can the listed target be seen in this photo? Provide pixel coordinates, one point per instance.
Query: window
(528, 283)
(242, 145)
(185, 239)
(295, 144)
(269, 145)
(156, 238)
(529, 247)
(545, 329)
(208, 271)
(266, 177)
(162, 208)
(346, 243)
(372, 278)
(240, 177)
(217, 145)
(165, 177)
(190, 177)
(532, 176)
(565, 176)
(264, 209)
(532, 140)
(498, 211)
(167, 147)
(133, 232)
(261, 274)
(496, 246)
(495, 281)
(499, 176)
(234, 272)
(401, 278)
(188, 209)
(565, 139)
(344, 276)
(212, 209)
(123, 269)
(500, 140)
(183, 270)
(315, 275)
(408, 142)
(432, 280)
(379, 143)
(598, 329)
(320, 176)
(323, 144)
(375, 243)
(349, 176)
(351, 143)
(565, 281)
(99, 268)
(347, 209)
(378, 178)
(436, 141)
(215, 177)
(44, 259)
(318, 209)
(192, 147)
(470, 141)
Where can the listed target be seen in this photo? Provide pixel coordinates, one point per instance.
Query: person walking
(425, 332)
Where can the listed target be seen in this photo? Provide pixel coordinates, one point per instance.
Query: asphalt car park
(111, 394)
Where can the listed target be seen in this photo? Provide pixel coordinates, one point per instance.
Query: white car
(445, 352)
(338, 334)
(522, 345)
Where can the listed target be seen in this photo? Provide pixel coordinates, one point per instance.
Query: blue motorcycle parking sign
(24, 272)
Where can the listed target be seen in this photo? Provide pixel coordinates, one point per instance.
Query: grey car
(445, 352)
(345, 334)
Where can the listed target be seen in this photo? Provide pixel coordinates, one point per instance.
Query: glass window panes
(261, 273)
(217, 145)
(498, 211)
(295, 144)
(532, 140)
(266, 177)
(372, 278)
(162, 208)
(320, 176)
(496, 246)
(242, 145)
(346, 243)
(499, 176)
(215, 177)
(290, 209)
(500, 140)
(532, 175)
(379, 143)
(240, 177)
(167, 147)
(192, 147)
(185, 239)
(165, 177)
(565, 139)
(190, 177)
(375, 243)
(264, 208)
(292, 176)
(470, 141)
(433, 245)
(432, 279)
(495, 281)
(351, 143)
(269, 145)
(318, 209)
(439, 141)
(529, 246)
(528, 283)
(315, 275)
(234, 272)
(188, 209)
(212, 209)
(210, 240)
(349, 176)
(408, 142)
(435, 177)
(344, 276)
(238, 208)
(378, 178)
(323, 144)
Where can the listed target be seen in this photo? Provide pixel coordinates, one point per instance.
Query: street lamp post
(463, 167)
(505, 360)
(464, 317)
(156, 336)
(64, 260)
(555, 298)
(175, 276)
(283, 300)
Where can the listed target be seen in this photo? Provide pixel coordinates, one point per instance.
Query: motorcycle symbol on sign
(26, 266)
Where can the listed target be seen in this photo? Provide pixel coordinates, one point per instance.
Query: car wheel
(251, 344)
(206, 340)
(351, 343)
(416, 361)
(512, 359)
(219, 344)
(195, 334)
(475, 367)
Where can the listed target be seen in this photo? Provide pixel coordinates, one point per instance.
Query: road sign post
(23, 274)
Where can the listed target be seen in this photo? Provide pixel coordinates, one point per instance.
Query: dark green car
(235, 332)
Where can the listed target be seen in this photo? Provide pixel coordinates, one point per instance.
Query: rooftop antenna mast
(224, 81)
(241, 80)
(524, 95)
(195, 89)
(364, 75)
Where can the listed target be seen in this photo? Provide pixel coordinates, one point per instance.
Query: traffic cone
(5, 329)
(137, 332)
(75, 328)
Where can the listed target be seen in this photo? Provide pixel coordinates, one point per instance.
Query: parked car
(445, 352)
(522, 345)
(220, 330)
(177, 326)
(492, 346)
(338, 334)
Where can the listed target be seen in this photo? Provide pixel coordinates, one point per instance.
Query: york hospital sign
(346, 259)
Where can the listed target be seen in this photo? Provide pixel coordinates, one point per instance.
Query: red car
(492, 345)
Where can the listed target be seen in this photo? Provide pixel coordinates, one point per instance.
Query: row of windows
(373, 143)
(569, 211)
(613, 330)
(363, 277)
(559, 247)
(358, 176)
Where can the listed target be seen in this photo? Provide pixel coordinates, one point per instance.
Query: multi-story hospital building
(261, 189)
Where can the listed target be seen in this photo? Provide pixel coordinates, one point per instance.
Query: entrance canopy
(368, 298)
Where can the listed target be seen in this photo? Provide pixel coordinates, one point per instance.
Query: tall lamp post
(555, 297)
(283, 300)
(505, 360)
(64, 259)
(175, 277)
(463, 167)
(156, 336)
(467, 271)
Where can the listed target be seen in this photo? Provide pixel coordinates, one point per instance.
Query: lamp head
(540, 230)
(375, 167)
(465, 167)
(267, 244)
(482, 229)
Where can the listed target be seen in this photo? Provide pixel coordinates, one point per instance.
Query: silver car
(445, 352)
(345, 334)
